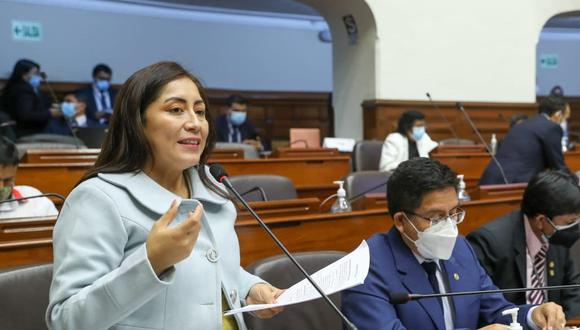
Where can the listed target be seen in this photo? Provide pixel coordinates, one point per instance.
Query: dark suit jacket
(29, 109)
(501, 248)
(527, 149)
(247, 130)
(394, 268)
(88, 96)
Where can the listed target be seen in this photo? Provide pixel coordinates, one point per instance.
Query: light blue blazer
(102, 278)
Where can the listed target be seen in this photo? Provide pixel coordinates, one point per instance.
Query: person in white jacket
(409, 141)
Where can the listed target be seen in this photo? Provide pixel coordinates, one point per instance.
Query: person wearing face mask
(73, 116)
(36, 207)
(409, 141)
(24, 102)
(234, 126)
(530, 247)
(99, 97)
(530, 147)
(423, 253)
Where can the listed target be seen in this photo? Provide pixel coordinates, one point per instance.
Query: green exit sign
(549, 61)
(29, 31)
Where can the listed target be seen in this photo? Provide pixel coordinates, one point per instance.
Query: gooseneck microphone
(219, 173)
(404, 297)
(462, 110)
(59, 196)
(436, 107)
(359, 195)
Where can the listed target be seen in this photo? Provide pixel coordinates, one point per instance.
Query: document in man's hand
(349, 271)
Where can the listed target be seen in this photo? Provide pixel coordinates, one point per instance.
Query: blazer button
(234, 295)
(212, 255)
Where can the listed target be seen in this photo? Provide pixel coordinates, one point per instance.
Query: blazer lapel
(414, 278)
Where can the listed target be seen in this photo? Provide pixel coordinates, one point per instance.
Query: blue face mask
(35, 80)
(67, 109)
(237, 117)
(102, 85)
(418, 132)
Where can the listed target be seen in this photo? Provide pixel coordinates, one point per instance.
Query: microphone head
(399, 297)
(459, 105)
(43, 75)
(428, 95)
(218, 172)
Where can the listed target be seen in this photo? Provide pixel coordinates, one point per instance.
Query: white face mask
(437, 241)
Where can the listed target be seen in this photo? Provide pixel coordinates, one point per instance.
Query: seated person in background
(99, 97)
(234, 127)
(530, 247)
(24, 102)
(422, 253)
(530, 147)
(34, 207)
(518, 118)
(409, 141)
(73, 116)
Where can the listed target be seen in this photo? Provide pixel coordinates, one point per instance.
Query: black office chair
(463, 142)
(366, 155)
(24, 297)
(92, 137)
(280, 272)
(275, 187)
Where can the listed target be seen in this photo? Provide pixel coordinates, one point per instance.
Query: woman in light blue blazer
(122, 259)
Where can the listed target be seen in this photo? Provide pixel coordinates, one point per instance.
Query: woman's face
(176, 127)
(32, 72)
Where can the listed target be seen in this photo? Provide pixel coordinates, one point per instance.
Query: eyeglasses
(562, 227)
(456, 215)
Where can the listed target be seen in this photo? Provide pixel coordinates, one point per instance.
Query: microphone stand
(403, 297)
(359, 195)
(460, 107)
(59, 196)
(224, 179)
(436, 107)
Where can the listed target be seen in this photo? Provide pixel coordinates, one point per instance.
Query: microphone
(359, 195)
(219, 173)
(262, 193)
(50, 90)
(436, 107)
(460, 107)
(8, 123)
(55, 100)
(300, 140)
(404, 297)
(59, 196)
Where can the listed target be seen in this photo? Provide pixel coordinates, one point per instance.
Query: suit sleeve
(95, 285)
(571, 297)
(491, 305)
(552, 144)
(389, 154)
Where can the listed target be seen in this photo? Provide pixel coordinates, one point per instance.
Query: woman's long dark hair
(22, 67)
(126, 148)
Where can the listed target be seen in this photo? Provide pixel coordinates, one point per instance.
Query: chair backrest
(280, 272)
(366, 182)
(305, 138)
(462, 142)
(24, 297)
(367, 155)
(93, 137)
(249, 151)
(275, 186)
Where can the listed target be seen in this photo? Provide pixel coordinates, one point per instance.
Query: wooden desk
(307, 152)
(25, 241)
(59, 178)
(61, 156)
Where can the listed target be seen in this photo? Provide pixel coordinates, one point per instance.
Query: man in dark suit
(423, 254)
(530, 247)
(234, 125)
(530, 147)
(99, 97)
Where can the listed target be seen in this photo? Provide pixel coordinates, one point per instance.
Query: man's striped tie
(538, 277)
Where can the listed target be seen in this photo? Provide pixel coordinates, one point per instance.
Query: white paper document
(349, 271)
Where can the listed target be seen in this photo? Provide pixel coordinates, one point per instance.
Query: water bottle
(493, 144)
(462, 194)
(341, 204)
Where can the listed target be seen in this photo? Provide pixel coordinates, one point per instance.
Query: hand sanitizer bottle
(341, 204)
(462, 194)
(493, 144)
(514, 313)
